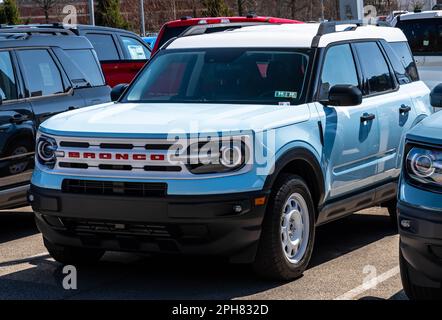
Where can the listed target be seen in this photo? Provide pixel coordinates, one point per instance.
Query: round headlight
(422, 165)
(46, 148)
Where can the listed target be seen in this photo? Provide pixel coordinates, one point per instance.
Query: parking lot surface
(355, 258)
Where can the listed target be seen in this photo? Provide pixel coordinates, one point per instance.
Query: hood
(146, 119)
(428, 130)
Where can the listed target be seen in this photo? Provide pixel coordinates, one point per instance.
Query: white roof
(421, 15)
(284, 36)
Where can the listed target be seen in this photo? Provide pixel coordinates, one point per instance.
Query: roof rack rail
(328, 27)
(32, 30)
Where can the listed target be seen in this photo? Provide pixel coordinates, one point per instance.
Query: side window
(104, 46)
(8, 84)
(41, 73)
(339, 68)
(377, 76)
(134, 49)
(403, 53)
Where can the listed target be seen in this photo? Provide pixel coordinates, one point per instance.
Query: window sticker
(286, 94)
(426, 43)
(136, 52)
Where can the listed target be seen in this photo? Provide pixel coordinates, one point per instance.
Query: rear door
(46, 85)
(17, 133)
(394, 107)
(136, 54)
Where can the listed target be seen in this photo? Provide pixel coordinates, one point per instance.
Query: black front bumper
(191, 225)
(421, 244)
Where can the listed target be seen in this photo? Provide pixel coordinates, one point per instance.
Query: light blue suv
(225, 146)
(420, 207)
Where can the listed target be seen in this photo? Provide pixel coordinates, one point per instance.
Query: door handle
(404, 109)
(18, 118)
(367, 117)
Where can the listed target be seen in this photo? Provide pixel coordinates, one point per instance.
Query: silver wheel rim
(295, 228)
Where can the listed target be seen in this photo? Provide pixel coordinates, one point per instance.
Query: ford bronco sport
(236, 144)
(420, 207)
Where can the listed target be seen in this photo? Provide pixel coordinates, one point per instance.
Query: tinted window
(377, 77)
(223, 76)
(8, 85)
(339, 68)
(41, 73)
(424, 36)
(104, 45)
(402, 61)
(85, 61)
(134, 49)
(170, 33)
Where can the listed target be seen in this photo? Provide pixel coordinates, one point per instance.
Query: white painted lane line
(371, 284)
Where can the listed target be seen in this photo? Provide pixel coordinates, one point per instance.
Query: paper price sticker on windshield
(286, 94)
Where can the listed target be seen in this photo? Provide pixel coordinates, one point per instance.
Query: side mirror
(436, 96)
(343, 95)
(118, 90)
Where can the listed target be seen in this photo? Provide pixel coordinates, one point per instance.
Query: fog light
(406, 224)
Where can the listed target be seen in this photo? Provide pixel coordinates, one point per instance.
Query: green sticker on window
(286, 94)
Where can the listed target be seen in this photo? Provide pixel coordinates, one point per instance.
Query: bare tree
(46, 6)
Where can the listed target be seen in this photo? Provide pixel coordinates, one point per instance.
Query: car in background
(420, 208)
(175, 28)
(40, 76)
(121, 53)
(150, 39)
(394, 14)
(424, 33)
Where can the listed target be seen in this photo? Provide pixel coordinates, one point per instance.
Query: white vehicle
(424, 33)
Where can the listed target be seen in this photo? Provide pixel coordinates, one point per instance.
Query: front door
(351, 134)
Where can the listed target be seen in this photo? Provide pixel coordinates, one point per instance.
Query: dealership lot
(361, 247)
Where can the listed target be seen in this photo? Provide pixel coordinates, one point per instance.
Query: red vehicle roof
(182, 24)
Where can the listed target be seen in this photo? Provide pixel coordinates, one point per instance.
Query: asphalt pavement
(354, 258)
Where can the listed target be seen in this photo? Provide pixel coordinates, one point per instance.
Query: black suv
(121, 53)
(40, 76)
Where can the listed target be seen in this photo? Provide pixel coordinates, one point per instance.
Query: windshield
(223, 76)
(424, 36)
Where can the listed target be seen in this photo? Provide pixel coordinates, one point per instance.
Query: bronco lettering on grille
(116, 156)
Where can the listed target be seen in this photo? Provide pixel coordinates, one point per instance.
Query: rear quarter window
(84, 60)
(104, 45)
(402, 61)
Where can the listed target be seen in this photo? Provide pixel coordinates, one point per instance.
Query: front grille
(110, 188)
(101, 227)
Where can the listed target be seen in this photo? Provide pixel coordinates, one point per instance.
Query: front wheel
(288, 231)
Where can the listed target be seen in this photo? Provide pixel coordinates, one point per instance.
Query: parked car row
(339, 107)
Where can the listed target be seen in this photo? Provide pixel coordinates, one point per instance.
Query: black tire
(392, 211)
(413, 291)
(73, 256)
(271, 261)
